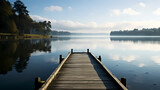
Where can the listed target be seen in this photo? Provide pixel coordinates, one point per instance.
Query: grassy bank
(35, 36)
(25, 36)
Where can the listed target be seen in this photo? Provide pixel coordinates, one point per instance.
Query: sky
(96, 16)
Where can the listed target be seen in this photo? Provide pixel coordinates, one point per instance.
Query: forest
(15, 19)
(53, 32)
(136, 32)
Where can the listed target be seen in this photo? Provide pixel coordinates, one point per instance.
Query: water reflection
(136, 58)
(17, 53)
(137, 39)
(156, 59)
(60, 38)
(127, 58)
(143, 61)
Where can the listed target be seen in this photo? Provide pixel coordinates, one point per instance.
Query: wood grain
(82, 71)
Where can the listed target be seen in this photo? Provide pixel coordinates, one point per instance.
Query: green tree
(48, 27)
(20, 9)
(7, 24)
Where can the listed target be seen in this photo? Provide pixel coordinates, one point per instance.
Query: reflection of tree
(17, 53)
(21, 64)
(43, 45)
(60, 39)
(7, 56)
(153, 40)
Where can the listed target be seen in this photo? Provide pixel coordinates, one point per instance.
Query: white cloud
(69, 8)
(115, 12)
(156, 59)
(71, 25)
(93, 27)
(142, 4)
(126, 11)
(53, 8)
(38, 18)
(157, 11)
(130, 11)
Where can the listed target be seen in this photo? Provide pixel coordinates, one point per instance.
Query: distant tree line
(15, 19)
(136, 32)
(59, 33)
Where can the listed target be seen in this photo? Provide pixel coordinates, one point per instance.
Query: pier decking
(81, 70)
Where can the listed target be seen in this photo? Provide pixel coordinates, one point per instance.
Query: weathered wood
(82, 71)
(123, 81)
(121, 85)
(82, 81)
(99, 58)
(60, 58)
(71, 50)
(53, 75)
(38, 83)
(87, 50)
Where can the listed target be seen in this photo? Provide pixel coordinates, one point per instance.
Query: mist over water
(135, 58)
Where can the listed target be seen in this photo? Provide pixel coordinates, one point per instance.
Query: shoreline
(6, 36)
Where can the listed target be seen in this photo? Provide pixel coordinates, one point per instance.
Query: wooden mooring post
(87, 50)
(123, 81)
(60, 58)
(71, 50)
(38, 83)
(99, 58)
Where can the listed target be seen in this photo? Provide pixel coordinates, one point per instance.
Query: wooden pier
(81, 70)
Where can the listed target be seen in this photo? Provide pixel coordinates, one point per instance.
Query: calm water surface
(135, 58)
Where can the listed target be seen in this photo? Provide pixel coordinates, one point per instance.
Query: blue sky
(96, 16)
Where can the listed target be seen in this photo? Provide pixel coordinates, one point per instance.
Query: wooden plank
(85, 65)
(83, 71)
(53, 75)
(62, 77)
(82, 81)
(82, 85)
(78, 66)
(119, 83)
(76, 88)
(81, 74)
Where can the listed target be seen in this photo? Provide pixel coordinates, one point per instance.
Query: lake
(135, 58)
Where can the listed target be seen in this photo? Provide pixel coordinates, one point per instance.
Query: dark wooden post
(60, 58)
(87, 50)
(71, 50)
(123, 81)
(38, 83)
(99, 58)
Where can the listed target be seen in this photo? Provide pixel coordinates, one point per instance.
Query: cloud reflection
(136, 43)
(93, 42)
(156, 59)
(38, 53)
(52, 60)
(114, 57)
(141, 65)
(128, 58)
(82, 44)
